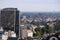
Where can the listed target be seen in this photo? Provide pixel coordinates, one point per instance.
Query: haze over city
(32, 5)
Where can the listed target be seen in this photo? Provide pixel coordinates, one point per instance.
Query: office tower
(10, 19)
(23, 31)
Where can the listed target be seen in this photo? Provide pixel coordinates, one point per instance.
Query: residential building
(29, 33)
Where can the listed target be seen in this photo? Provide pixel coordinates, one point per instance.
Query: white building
(1, 29)
(8, 34)
(33, 27)
(13, 34)
(4, 37)
(29, 33)
(41, 26)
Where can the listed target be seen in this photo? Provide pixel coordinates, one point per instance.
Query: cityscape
(16, 25)
(29, 19)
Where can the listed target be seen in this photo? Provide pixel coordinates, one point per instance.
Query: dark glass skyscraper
(10, 19)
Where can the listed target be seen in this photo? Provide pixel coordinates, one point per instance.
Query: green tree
(39, 31)
(49, 29)
(57, 26)
(29, 38)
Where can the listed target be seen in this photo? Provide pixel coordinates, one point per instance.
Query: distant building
(1, 33)
(11, 34)
(23, 31)
(34, 27)
(8, 34)
(29, 33)
(41, 26)
(10, 19)
(4, 37)
(1, 29)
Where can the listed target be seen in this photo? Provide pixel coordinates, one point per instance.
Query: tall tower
(10, 19)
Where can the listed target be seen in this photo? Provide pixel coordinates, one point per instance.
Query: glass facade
(10, 19)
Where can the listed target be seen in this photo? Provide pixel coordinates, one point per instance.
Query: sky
(32, 5)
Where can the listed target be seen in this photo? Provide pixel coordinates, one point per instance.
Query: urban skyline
(28, 26)
(29, 19)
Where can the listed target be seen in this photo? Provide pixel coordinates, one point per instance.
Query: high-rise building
(23, 31)
(10, 19)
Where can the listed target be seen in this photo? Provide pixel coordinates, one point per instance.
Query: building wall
(10, 19)
(30, 34)
(23, 31)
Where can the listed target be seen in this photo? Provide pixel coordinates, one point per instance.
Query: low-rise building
(41, 26)
(4, 37)
(29, 33)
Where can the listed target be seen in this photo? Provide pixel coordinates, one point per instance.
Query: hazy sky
(32, 5)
